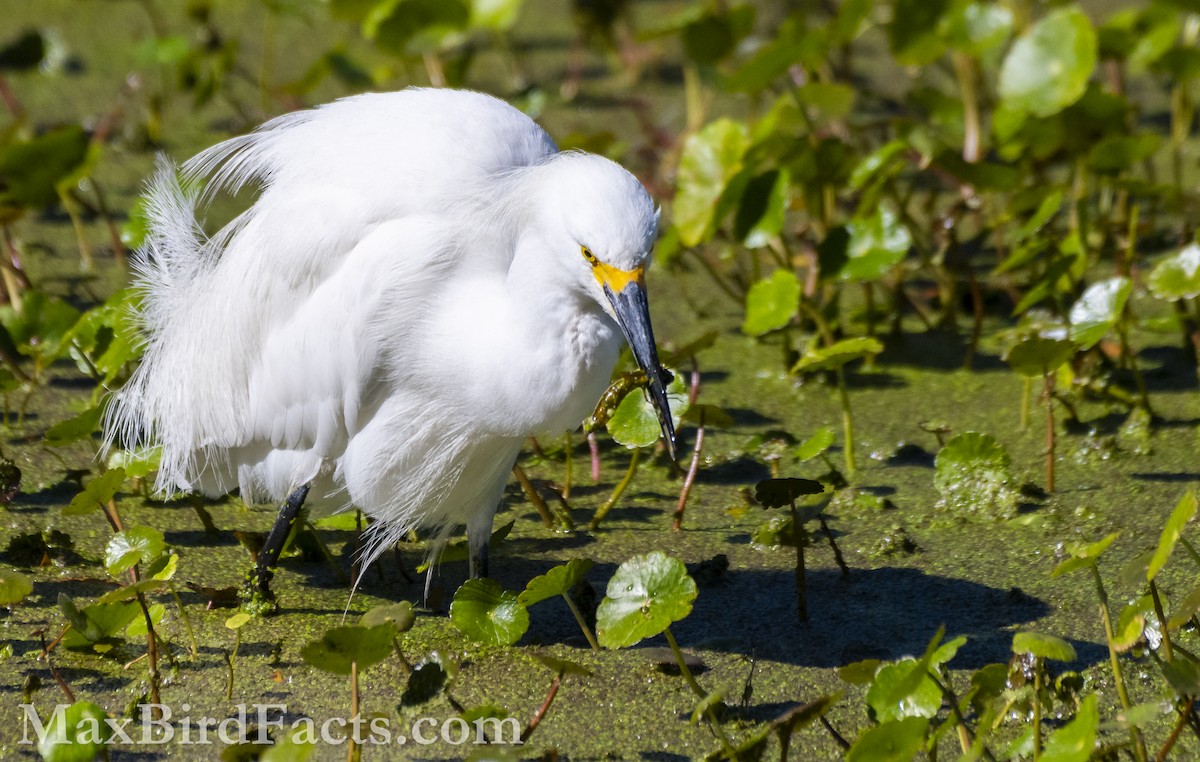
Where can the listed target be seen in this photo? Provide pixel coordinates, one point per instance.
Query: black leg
(259, 583)
(479, 561)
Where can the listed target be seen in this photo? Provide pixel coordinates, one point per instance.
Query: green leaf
(340, 647)
(237, 621)
(860, 672)
(761, 208)
(877, 244)
(487, 613)
(771, 303)
(818, 443)
(137, 627)
(558, 581)
(711, 157)
(635, 421)
(837, 355)
(1182, 613)
(14, 586)
(1177, 277)
(1098, 310)
(1185, 511)
(776, 493)
(1083, 556)
(1048, 67)
(73, 429)
(913, 31)
(1075, 741)
(400, 615)
(41, 325)
(1043, 646)
(76, 734)
(1183, 675)
(1129, 628)
(133, 546)
(1117, 153)
(973, 475)
(896, 741)
(495, 15)
(97, 622)
(1036, 356)
(33, 169)
(894, 693)
(412, 27)
(977, 28)
(645, 595)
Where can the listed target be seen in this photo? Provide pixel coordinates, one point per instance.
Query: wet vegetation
(929, 288)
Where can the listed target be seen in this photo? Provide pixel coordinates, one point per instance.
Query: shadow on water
(875, 614)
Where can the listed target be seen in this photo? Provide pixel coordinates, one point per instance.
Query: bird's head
(606, 225)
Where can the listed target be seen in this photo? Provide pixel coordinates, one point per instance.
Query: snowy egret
(423, 282)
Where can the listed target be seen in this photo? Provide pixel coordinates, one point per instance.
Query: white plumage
(423, 282)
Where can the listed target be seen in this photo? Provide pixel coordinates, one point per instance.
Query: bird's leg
(479, 538)
(259, 583)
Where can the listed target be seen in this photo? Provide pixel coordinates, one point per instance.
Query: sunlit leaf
(645, 595)
(1083, 556)
(14, 586)
(486, 612)
(711, 157)
(877, 244)
(558, 581)
(1048, 67)
(132, 546)
(1177, 277)
(760, 211)
(896, 741)
(836, 355)
(887, 703)
(1043, 646)
(1098, 310)
(635, 421)
(76, 734)
(1075, 741)
(771, 303)
(818, 443)
(1185, 511)
(81, 426)
(973, 475)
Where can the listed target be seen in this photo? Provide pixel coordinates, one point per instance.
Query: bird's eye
(589, 256)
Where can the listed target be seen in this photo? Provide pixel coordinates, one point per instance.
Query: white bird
(423, 282)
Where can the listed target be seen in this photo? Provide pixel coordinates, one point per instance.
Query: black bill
(633, 315)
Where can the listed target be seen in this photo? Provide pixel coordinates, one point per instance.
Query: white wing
(268, 335)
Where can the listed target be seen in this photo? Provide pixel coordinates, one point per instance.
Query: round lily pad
(645, 595)
(340, 647)
(486, 612)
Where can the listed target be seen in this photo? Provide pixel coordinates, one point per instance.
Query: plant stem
(690, 479)
(354, 752)
(187, 620)
(1162, 622)
(1048, 396)
(568, 466)
(543, 709)
(1139, 746)
(531, 494)
(683, 667)
(619, 490)
(1171, 739)
(837, 552)
(237, 641)
(847, 422)
(799, 536)
(587, 631)
(594, 454)
(1037, 707)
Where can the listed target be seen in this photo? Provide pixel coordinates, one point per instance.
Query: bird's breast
(517, 367)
